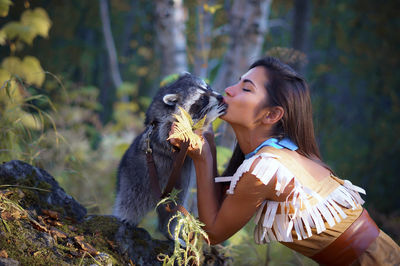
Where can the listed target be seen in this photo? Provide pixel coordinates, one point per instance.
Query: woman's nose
(229, 91)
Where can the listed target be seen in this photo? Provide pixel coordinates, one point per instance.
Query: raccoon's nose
(220, 98)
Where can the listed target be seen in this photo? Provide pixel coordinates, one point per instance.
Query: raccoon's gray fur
(134, 193)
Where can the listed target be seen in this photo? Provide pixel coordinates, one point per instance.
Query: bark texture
(109, 41)
(248, 24)
(170, 29)
(300, 28)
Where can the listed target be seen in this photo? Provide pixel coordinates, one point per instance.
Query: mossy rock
(41, 189)
(42, 225)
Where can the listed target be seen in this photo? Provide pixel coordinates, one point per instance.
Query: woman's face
(246, 98)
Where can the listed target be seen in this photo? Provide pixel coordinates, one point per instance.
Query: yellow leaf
(200, 124)
(4, 76)
(9, 92)
(169, 79)
(4, 7)
(183, 129)
(3, 37)
(13, 65)
(32, 71)
(16, 29)
(30, 121)
(187, 115)
(38, 20)
(211, 9)
(28, 69)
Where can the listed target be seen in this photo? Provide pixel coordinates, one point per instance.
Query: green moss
(27, 245)
(107, 225)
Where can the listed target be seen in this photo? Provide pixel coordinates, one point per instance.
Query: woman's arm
(223, 218)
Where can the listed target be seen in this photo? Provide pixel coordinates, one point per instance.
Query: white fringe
(271, 226)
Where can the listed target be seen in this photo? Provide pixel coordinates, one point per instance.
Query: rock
(136, 244)
(23, 174)
(8, 262)
(45, 233)
(42, 231)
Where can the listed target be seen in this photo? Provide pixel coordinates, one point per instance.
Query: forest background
(77, 76)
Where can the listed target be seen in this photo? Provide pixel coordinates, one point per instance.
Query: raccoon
(134, 197)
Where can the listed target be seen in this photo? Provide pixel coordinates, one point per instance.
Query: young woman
(276, 174)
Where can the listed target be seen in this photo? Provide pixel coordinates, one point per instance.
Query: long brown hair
(286, 88)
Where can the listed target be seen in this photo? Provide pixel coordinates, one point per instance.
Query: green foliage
(20, 130)
(223, 156)
(32, 23)
(188, 236)
(4, 7)
(245, 251)
(353, 53)
(169, 79)
(28, 69)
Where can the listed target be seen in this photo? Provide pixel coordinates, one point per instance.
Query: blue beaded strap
(273, 142)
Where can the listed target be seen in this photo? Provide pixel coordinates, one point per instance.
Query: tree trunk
(300, 29)
(129, 21)
(170, 29)
(203, 42)
(108, 38)
(248, 24)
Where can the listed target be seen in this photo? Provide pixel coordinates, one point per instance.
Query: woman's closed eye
(247, 90)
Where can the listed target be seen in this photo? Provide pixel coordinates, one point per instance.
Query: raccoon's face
(198, 100)
(190, 93)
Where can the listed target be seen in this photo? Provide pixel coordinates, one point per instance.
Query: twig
(18, 186)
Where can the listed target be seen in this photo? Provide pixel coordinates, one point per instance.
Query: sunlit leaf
(4, 7)
(169, 79)
(30, 121)
(38, 20)
(28, 69)
(4, 76)
(13, 65)
(20, 31)
(183, 129)
(212, 9)
(200, 123)
(33, 22)
(3, 37)
(33, 72)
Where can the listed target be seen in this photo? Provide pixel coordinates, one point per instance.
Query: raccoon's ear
(184, 73)
(171, 99)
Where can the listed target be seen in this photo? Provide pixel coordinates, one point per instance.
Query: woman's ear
(273, 115)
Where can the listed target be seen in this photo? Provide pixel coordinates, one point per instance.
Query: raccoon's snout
(220, 98)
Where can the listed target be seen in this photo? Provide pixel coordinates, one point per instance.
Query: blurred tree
(171, 38)
(205, 11)
(355, 93)
(109, 41)
(300, 29)
(247, 27)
